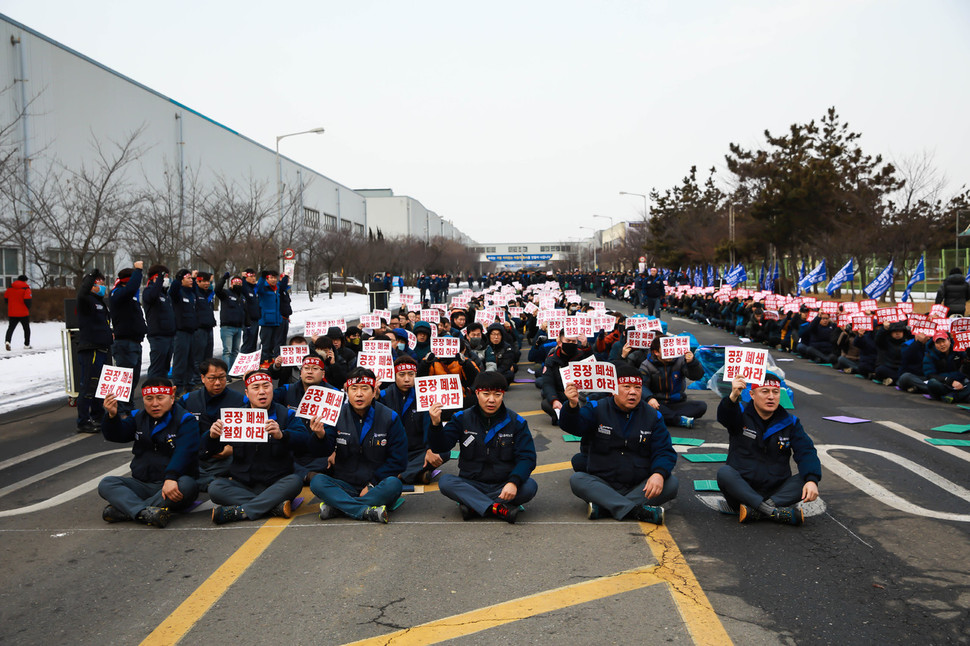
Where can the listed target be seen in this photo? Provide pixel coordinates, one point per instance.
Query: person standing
(251, 331)
(267, 291)
(18, 299)
(93, 348)
(182, 293)
(203, 342)
(128, 321)
(232, 316)
(160, 319)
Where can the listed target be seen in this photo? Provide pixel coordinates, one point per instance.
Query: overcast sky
(520, 120)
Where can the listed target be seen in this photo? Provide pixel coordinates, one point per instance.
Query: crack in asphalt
(381, 612)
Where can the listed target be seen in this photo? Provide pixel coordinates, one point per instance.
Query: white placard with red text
(115, 381)
(376, 345)
(748, 363)
(590, 376)
(644, 323)
(381, 363)
(319, 327)
(372, 321)
(412, 340)
(292, 355)
(407, 300)
(431, 315)
(244, 363)
(640, 338)
(443, 389)
(244, 425)
(674, 346)
(384, 314)
(319, 401)
(444, 346)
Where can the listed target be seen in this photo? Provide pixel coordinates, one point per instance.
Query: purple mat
(525, 381)
(844, 419)
(296, 503)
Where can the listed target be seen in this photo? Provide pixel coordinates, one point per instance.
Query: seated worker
(889, 351)
(628, 473)
(943, 366)
(312, 373)
(466, 369)
(478, 346)
(911, 378)
(370, 448)
(819, 342)
(165, 462)
(500, 352)
(206, 405)
(288, 374)
(568, 350)
(665, 385)
(399, 397)
(422, 334)
(261, 479)
(334, 372)
(757, 479)
(497, 454)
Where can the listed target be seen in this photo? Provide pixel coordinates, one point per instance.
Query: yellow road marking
(517, 609)
(529, 413)
(555, 466)
(177, 624)
(699, 617)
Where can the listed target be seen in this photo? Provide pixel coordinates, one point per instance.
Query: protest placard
(868, 305)
(412, 340)
(674, 346)
(940, 310)
(376, 345)
(889, 315)
(115, 381)
(244, 425)
(320, 401)
(443, 389)
(372, 321)
(861, 322)
(292, 355)
(319, 327)
(640, 338)
(407, 300)
(444, 346)
(384, 314)
(598, 305)
(431, 315)
(747, 363)
(381, 363)
(831, 307)
(960, 330)
(590, 376)
(244, 363)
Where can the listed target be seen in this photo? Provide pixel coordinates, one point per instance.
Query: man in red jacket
(18, 309)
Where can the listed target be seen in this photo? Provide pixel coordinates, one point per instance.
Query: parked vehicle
(353, 284)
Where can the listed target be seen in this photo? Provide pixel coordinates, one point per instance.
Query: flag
(774, 278)
(710, 276)
(844, 275)
(801, 276)
(881, 283)
(817, 275)
(761, 277)
(918, 274)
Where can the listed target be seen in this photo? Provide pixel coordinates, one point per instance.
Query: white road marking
(801, 388)
(952, 450)
(70, 494)
(885, 496)
(50, 472)
(46, 449)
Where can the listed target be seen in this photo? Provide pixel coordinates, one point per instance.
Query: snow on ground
(36, 376)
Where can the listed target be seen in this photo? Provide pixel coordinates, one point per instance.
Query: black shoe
(788, 515)
(227, 514)
(649, 514)
(112, 514)
(595, 512)
(89, 426)
(309, 476)
(466, 512)
(282, 510)
(748, 514)
(505, 512)
(155, 516)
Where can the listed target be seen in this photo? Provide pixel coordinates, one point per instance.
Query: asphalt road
(885, 559)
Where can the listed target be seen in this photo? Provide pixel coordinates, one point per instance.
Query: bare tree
(235, 226)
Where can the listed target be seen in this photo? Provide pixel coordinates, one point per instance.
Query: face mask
(102, 291)
(400, 347)
(569, 349)
(166, 282)
(354, 341)
(475, 342)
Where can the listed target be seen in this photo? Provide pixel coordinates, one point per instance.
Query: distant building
(404, 216)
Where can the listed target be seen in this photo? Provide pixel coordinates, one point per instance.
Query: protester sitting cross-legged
(665, 385)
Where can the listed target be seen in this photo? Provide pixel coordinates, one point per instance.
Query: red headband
(404, 367)
(367, 381)
(258, 377)
(768, 382)
(313, 361)
(636, 381)
(489, 390)
(157, 390)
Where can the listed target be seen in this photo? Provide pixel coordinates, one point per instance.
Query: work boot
(425, 476)
(748, 514)
(504, 512)
(649, 514)
(595, 512)
(467, 513)
(788, 515)
(375, 514)
(327, 512)
(156, 516)
(282, 510)
(112, 514)
(309, 476)
(227, 514)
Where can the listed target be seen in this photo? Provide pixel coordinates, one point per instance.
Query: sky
(518, 121)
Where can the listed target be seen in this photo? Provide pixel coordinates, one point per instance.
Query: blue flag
(844, 275)
(774, 278)
(918, 274)
(761, 277)
(881, 283)
(710, 276)
(801, 276)
(817, 275)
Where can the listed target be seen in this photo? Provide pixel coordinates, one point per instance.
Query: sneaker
(8, 346)
(749, 514)
(595, 512)
(504, 512)
(227, 514)
(911, 389)
(327, 512)
(375, 514)
(28, 347)
(156, 516)
(649, 514)
(466, 512)
(888, 381)
(282, 510)
(788, 515)
(687, 422)
(847, 371)
(112, 514)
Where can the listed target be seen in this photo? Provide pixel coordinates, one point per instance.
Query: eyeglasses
(215, 378)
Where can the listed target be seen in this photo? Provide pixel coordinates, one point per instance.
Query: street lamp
(644, 201)
(595, 266)
(279, 179)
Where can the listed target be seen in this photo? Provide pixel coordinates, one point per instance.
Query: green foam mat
(566, 437)
(947, 442)
(705, 457)
(706, 485)
(686, 441)
(454, 454)
(953, 428)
